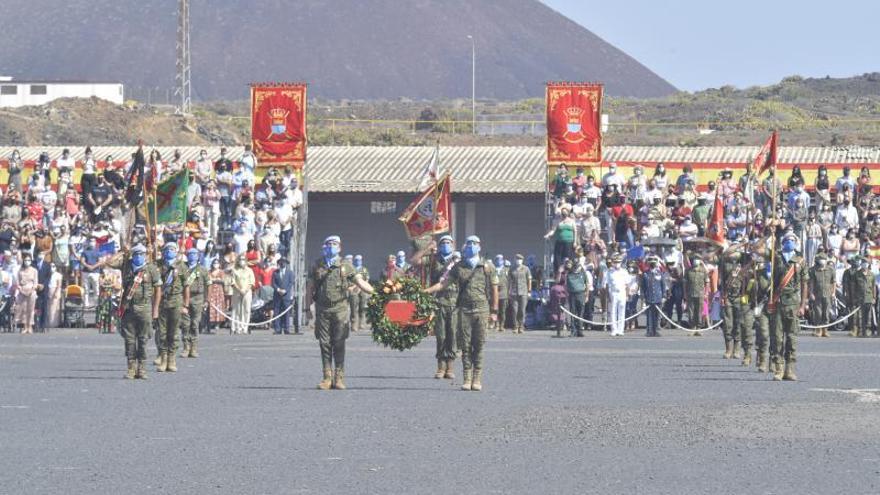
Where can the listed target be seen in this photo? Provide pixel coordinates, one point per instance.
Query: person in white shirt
(592, 192)
(204, 168)
(618, 283)
(248, 160)
(612, 178)
(847, 216)
(65, 163)
(845, 180)
(687, 228)
(636, 185)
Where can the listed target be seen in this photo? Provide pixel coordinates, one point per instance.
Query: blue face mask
(471, 250)
(330, 251)
(401, 260)
(138, 261)
(192, 259)
(445, 248)
(169, 257)
(499, 262)
(358, 263)
(788, 246)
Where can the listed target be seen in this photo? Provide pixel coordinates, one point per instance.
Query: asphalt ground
(557, 415)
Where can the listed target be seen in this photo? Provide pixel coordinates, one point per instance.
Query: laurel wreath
(390, 334)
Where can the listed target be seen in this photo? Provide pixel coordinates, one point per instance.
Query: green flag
(169, 201)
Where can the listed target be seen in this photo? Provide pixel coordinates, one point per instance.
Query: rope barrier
(569, 313)
(687, 329)
(270, 320)
(840, 320)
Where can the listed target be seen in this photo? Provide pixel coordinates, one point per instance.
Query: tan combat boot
(789, 373)
(735, 354)
(171, 363)
(466, 383)
(158, 360)
(339, 379)
(728, 349)
(778, 372)
(762, 363)
(477, 383)
(327, 381)
(163, 362)
(141, 373)
(450, 370)
(129, 375)
(185, 352)
(824, 332)
(747, 359)
(193, 353)
(441, 369)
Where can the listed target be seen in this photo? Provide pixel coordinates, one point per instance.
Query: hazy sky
(699, 44)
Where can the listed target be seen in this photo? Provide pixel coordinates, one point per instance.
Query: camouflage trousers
(784, 335)
(743, 321)
(445, 326)
(191, 321)
(472, 337)
(332, 327)
(169, 328)
(135, 329)
(762, 334)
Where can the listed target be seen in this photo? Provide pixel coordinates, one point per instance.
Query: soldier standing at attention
(730, 280)
(139, 307)
(695, 281)
(446, 317)
(519, 282)
(191, 319)
(863, 294)
(758, 290)
(788, 304)
(823, 286)
(478, 303)
(357, 301)
(175, 303)
(503, 288)
(329, 280)
(743, 307)
(654, 288)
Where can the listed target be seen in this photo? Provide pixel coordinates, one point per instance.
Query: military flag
(574, 132)
(168, 204)
(432, 169)
(766, 157)
(278, 123)
(430, 212)
(715, 229)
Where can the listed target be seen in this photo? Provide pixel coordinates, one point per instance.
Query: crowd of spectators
(60, 228)
(608, 230)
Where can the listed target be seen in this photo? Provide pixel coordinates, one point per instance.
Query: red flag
(766, 157)
(574, 113)
(430, 212)
(715, 229)
(278, 123)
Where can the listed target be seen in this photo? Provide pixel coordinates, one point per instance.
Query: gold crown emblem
(278, 115)
(574, 114)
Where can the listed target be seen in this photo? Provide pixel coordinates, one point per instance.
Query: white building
(25, 93)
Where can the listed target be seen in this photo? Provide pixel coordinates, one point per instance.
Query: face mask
(192, 259)
(358, 263)
(471, 250)
(616, 266)
(445, 248)
(821, 262)
(499, 263)
(169, 257)
(138, 261)
(330, 251)
(519, 263)
(401, 260)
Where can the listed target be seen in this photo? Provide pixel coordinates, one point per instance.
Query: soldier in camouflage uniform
(139, 307)
(478, 304)
(175, 303)
(788, 304)
(743, 306)
(729, 279)
(758, 290)
(446, 317)
(849, 299)
(695, 281)
(823, 287)
(502, 269)
(519, 282)
(329, 280)
(191, 320)
(357, 299)
(863, 296)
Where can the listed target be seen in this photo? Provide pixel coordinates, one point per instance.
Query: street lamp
(473, 84)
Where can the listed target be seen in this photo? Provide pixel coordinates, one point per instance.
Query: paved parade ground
(557, 415)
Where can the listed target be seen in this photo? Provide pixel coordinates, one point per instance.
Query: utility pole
(183, 92)
(473, 84)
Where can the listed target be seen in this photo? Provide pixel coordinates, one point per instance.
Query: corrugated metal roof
(475, 169)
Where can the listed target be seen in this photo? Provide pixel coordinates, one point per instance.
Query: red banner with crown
(574, 114)
(278, 123)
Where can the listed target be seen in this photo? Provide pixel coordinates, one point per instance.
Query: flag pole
(149, 229)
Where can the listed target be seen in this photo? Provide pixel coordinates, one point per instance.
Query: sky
(706, 44)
